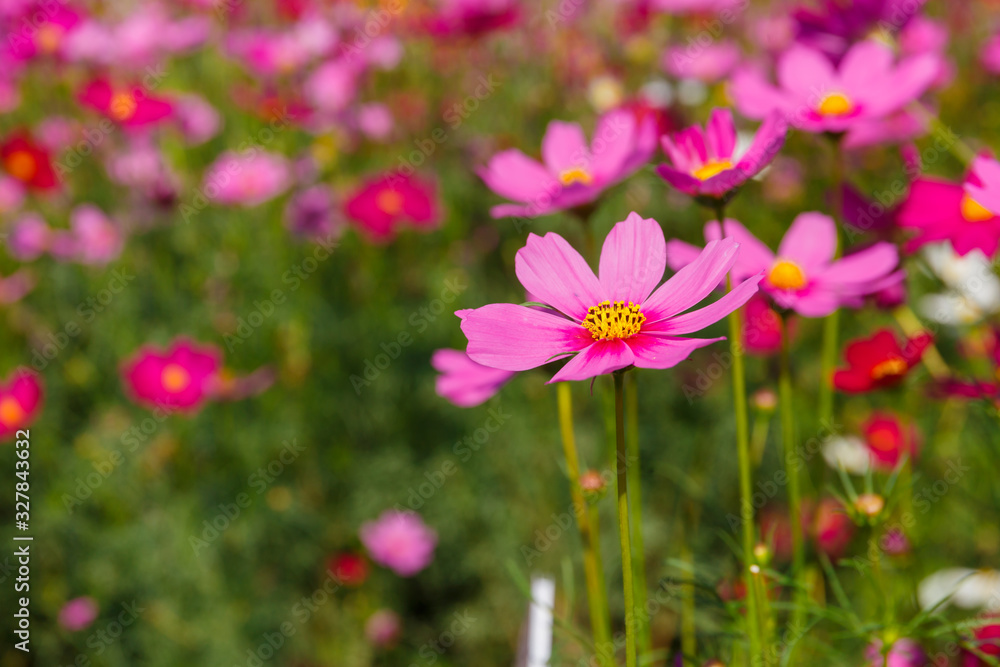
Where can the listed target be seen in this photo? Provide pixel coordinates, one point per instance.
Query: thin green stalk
(743, 456)
(689, 636)
(624, 530)
(791, 458)
(593, 569)
(635, 507)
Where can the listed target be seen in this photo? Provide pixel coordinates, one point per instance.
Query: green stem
(624, 530)
(743, 456)
(592, 567)
(635, 507)
(689, 636)
(791, 458)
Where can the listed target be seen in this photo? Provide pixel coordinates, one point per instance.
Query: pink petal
(862, 267)
(911, 78)
(805, 72)
(811, 241)
(664, 352)
(987, 170)
(753, 95)
(603, 356)
(767, 142)
(686, 183)
(866, 63)
(754, 256)
(697, 320)
(613, 142)
(514, 175)
(680, 254)
(564, 146)
(692, 283)
(720, 134)
(633, 259)
(516, 338)
(550, 268)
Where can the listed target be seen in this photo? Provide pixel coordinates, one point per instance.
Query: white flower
(962, 587)
(849, 453)
(973, 288)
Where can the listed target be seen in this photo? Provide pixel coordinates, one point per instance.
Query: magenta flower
(573, 173)
(182, 377)
(473, 17)
(803, 276)
(703, 162)
(941, 210)
(708, 64)
(464, 382)
(78, 613)
(984, 188)
(21, 397)
(314, 213)
(384, 203)
(247, 180)
(607, 322)
(815, 96)
(131, 106)
(904, 653)
(400, 541)
(989, 55)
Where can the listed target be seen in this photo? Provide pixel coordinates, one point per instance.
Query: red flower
(131, 107)
(889, 439)
(879, 362)
(349, 569)
(383, 203)
(28, 162)
(20, 401)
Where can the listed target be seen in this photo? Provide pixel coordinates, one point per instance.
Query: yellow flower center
(122, 107)
(11, 412)
(389, 202)
(835, 104)
(607, 321)
(576, 175)
(710, 169)
(48, 38)
(892, 367)
(175, 379)
(973, 211)
(786, 275)
(21, 165)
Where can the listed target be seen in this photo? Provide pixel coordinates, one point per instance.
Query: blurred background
(213, 202)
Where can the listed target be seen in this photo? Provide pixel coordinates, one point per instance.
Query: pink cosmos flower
(985, 187)
(400, 541)
(607, 322)
(14, 287)
(198, 120)
(247, 179)
(989, 56)
(804, 276)
(383, 203)
(48, 37)
(180, 377)
(761, 327)
(21, 397)
(703, 162)
(29, 237)
(464, 382)
(473, 17)
(130, 106)
(333, 85)
(940, 210)
(815, 96)
(78, 613)
(681, 6)
(314, 213)
(708, 64)
(383, 628)
(904, 653)
(92, 239)
(573, 173)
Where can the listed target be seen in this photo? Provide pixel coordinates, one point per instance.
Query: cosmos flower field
(491, 332)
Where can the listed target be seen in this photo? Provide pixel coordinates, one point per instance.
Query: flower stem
(791, 459)
(831, 324)
(635, 507)
(624, 530)
(592, 567)
(743, 457)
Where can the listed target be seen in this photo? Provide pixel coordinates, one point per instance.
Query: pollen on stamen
(607, 321)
